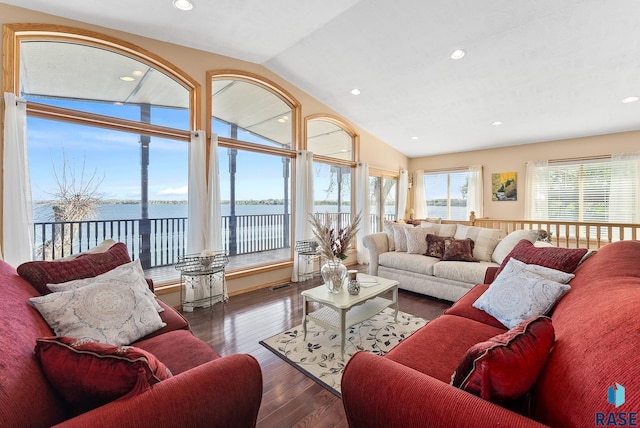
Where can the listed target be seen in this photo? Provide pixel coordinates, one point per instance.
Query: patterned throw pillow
(131, 273)
(458, 250)
(417, 239)
(564, 259)
(89, 374)
(399, 236)
(506, 366)
(435, 246)
(518, 294)
(41, 273)
(107, 311)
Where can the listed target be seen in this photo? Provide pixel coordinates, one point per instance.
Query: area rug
(319, 356)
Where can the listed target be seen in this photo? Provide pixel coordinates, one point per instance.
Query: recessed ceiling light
(458, 54)
(127, 79)
(630, 100)
(414, 138)
(283, 119)
(355, 91)
(137, 73)
(182, 4)
(496, 123)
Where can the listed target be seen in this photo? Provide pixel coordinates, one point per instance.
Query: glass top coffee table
(342, 310)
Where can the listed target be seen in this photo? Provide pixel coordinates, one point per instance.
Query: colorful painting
(504, 186)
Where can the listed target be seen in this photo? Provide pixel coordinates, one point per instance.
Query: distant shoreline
(184, 202)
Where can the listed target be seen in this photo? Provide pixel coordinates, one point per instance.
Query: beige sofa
(399, 253)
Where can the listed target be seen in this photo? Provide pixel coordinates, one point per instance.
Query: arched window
(334, 146)
(257, 124)
(108, 122)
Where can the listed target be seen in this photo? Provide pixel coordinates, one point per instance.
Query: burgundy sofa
(205, 390)
(597, 331)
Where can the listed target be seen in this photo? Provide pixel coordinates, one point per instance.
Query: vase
(334, 273)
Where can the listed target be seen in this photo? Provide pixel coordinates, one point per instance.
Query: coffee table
(342, 310)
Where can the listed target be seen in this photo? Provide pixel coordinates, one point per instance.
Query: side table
(202, 273)
(307, 251)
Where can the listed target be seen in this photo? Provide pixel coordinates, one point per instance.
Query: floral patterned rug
(319, 356)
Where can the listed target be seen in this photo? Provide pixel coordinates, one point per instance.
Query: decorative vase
(334, 273)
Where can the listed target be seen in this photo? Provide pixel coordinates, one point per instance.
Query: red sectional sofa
(594, 359)
(206, 390)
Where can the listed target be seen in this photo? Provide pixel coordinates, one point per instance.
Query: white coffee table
(343, 310)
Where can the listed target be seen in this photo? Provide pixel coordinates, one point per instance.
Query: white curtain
(536, 201)
(363, 202)
(204, 215)
(625, 174)
(403, 188)
(475, 200)
(419, 199)
(17, 220)
(304, 207)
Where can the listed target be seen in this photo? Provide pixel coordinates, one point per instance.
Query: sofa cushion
(464, 307)
(564, 259)
(416, 263)
(41, 273)
(506, 366)
(416, 238)
(518, 294)
(399, 237)
(89, 374)
(471, 273)
(388, 229)
(437, 348)
(459, 250)
(442, 230)
(506, 244)
(114, 312)
(484, 239)
(130, 273)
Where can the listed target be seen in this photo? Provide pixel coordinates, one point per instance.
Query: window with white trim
(446, 194)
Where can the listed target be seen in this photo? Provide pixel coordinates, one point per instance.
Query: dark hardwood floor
(290, 399)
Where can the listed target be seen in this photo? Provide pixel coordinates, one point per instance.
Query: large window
(108, 131)
(446, 194)
(333, 145)
(602, 190)
(256, 123)
(382, 199)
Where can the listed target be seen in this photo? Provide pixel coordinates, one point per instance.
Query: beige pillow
(505, 246)
(441, 230)
(485, 240)
(417, 239)
(399, 237)
(388, 229)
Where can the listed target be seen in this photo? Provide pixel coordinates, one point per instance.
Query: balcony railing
(165, 238)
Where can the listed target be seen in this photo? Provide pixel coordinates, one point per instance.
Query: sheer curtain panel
(403, 188)
(475, 201)
(17, 215)
(363, 201)
(419, 198)
(304, 206)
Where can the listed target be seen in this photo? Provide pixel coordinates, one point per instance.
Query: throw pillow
(388, 229)
(564, 259)
(458, 250)
(112, 312)
(399, 237)
(442, 230)
(417, 239)
(90, 374)
(41, 273)
(130, 273)
(518, 294)
(484, 240)
(506, 366)
(552, 274)
(435, 246)
(506, 244)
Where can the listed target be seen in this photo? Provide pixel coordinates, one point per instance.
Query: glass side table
(202, 280)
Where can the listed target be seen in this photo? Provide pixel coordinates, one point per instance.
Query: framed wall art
(504, 186)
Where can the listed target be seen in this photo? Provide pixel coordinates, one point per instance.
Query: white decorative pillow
(399, 237)
(518, 294)
(388, 229)
(108, 311)
(505, 246)
(484, 239)
(130, 273)
(417, 239)
(552, 274)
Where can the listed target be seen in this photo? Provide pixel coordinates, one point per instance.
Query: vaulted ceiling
(544, 69)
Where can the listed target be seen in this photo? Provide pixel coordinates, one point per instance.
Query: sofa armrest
(376, 243)
(490, 274)
(225, 392)
(377, 392)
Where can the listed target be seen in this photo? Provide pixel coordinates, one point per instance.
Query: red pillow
(41, 273)
(90, 374)
(564, 259)
(435, 245)
(506, 366)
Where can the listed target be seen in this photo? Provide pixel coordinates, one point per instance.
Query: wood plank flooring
(290, 399)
